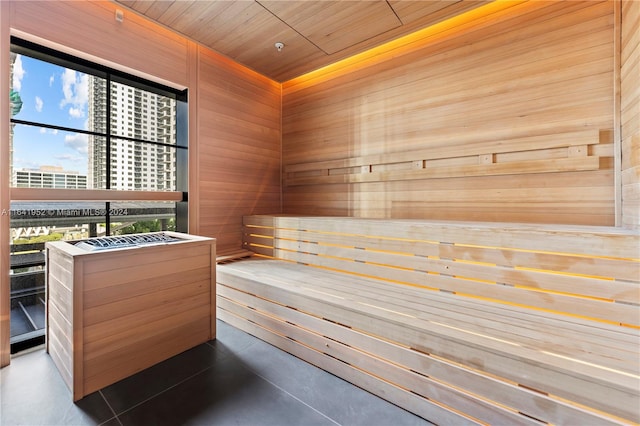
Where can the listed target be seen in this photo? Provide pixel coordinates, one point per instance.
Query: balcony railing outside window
(34, 223)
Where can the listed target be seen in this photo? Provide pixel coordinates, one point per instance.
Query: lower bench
(448, 357)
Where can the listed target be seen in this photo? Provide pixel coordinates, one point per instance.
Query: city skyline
(134, 113)
(59, 96)
(53, 95)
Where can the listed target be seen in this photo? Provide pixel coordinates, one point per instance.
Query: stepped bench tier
(460, 323)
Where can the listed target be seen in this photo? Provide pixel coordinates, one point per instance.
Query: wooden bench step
(534, 369)
(455, 383)
(232, 255)
(483, 323)
(612, 347)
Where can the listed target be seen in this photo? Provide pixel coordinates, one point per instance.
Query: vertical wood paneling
(538, 69)
(90, 29)
(239, 147)
(194, 199)
(5, 302)
(630, 117)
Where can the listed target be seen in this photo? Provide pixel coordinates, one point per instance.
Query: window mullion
(108, 154)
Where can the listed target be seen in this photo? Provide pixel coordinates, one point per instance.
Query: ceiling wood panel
(315, 33)
(192, 18)
(335, 25)
(410, 11)
(154, 9)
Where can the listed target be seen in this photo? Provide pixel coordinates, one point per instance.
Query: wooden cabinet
(112, 313)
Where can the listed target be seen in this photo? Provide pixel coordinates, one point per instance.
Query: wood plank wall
(234, 113)
(5, 304)
(239, 118)
(508, 118)
(630, 117)
(89, 29)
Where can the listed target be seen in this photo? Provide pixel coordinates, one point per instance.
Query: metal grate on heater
(121, 241)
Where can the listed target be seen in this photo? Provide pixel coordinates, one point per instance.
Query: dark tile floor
(234, 380)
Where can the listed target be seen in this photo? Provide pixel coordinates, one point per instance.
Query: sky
(53, 95)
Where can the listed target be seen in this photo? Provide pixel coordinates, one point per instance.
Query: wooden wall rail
(460, 323)
(564, 152)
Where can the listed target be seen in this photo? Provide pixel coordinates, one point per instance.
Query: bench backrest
(588, 272)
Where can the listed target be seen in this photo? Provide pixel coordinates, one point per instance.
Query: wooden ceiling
(315, 33)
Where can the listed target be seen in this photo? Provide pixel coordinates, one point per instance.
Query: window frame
(107, 195)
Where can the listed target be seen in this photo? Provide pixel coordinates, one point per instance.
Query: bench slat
(551, 374)
(510, 395)
(578, 240)
(547, 280)
(551, 310)
(619, 269)
(392, 373)
(551, 334)
(591, 308)
(401, 397)
(473, 318)
(348, 312)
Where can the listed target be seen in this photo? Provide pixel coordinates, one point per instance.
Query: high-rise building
(137, 114)
(12, 60)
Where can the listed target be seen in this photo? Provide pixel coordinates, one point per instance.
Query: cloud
(69, 157)
(18, 73)
(39, 104)
(76, 112)
(21, 163)
(44, 130)
(51, 80)
(75, 89)
(77, 142)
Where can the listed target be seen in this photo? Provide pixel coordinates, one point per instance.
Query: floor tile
(32, 392)
(233, 340)
(226, 394)
(148, 383)
(237, 379)
(111, 422)
(347, 404)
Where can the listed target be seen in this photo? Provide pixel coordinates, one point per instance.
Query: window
(82, 126)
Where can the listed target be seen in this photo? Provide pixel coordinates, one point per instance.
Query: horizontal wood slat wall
(90, 30)
(506, 119)
(630, 117)
(239, 149)
(5, 201)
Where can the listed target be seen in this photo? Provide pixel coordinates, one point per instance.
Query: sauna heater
(119, 304)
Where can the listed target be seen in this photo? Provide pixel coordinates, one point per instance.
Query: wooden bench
(460, 323)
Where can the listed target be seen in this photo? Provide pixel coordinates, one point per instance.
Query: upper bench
(587, 272)
(567, 296)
